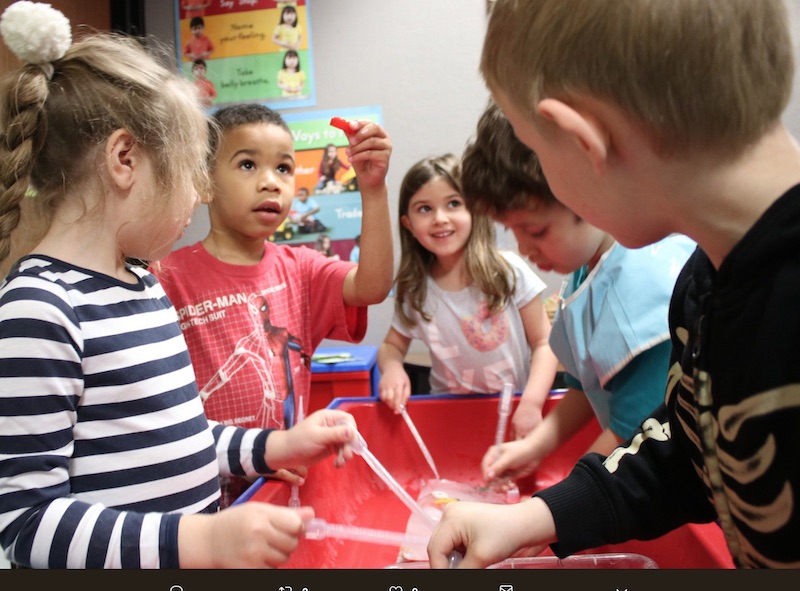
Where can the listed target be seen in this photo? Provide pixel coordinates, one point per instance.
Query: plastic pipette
(512, 496)
(318, 529)
(294, 498)
(423, 448)
(454, 559)
(504, 412)
(360, 448)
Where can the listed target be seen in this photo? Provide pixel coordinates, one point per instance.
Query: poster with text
(238, 51)
(324, 179)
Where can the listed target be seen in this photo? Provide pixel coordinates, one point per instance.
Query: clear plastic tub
(576, 561)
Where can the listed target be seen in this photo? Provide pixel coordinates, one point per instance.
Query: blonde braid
(22, 95)
(38, 35)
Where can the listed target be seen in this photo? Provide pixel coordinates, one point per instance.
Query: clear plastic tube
(423, 448)
(318, 529)
(294, 497)
(454, 559)
(504, 412)
(360, 448)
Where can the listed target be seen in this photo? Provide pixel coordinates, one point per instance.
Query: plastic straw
(360, 448)
(294, 498)
(423, 448)
(504, 412)
(318, 529)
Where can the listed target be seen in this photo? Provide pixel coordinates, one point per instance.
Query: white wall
(418, 60)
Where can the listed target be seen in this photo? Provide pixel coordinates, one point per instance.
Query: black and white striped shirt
(103, 439)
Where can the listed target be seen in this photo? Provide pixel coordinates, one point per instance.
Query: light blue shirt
(617, 313)
(301, 208)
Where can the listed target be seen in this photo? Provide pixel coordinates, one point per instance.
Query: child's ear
(122, 158)
(406, 223)
(587, 131)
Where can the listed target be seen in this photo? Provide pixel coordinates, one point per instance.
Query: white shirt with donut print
(472, 352)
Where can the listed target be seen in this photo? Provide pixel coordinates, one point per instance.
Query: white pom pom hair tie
(36, 33)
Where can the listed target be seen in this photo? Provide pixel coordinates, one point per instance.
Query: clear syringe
(294, 497)
(423, 448)
(504, 412)
(512, 496)
(360, 448)
(318, 529)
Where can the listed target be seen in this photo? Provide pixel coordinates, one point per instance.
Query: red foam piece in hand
(342, 124)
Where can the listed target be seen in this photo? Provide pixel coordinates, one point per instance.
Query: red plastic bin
(457, 430)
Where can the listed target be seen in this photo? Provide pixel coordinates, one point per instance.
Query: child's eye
(455, 203)
(537, 233)
(247, 165)
(285, 168)
(423, 209)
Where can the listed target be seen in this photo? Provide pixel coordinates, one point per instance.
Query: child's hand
(369, 151)
(395, 388)
(526, 418)
(503, 464)
(323, 433)
(296, 476)
(485, 533)
(250, 535)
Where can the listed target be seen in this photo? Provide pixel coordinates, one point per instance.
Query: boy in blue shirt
(610, 330)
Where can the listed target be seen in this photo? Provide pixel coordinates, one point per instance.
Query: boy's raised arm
(369, 151)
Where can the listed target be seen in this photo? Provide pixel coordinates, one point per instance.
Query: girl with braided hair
(108, 458)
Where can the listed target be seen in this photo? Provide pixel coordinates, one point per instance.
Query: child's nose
(267, 181)
(527, 249)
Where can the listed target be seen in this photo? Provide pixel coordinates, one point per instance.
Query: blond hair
(695, 74)
(487, 268)
(54, 119)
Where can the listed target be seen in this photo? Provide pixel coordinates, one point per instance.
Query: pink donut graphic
(481, 339)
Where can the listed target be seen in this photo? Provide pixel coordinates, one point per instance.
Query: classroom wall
(418, 60)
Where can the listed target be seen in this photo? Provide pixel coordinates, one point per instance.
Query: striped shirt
(103, 439)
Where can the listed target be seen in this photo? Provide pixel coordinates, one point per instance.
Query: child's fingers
(332, 417)
(368, 150)
(497, 464)
(368, 135)
(306, 513)
(396, 399)
(291, 476)
(491, 456)
(365, 129)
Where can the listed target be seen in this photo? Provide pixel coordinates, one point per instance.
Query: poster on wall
(326, 211)
(238, 51)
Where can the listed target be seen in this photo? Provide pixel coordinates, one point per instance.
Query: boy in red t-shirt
(252, 311)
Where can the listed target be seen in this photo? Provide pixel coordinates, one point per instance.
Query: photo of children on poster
(251, 50)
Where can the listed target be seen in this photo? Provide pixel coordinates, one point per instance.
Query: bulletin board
(251, 52)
